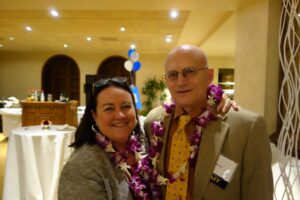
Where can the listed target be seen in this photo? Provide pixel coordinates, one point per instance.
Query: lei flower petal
(215, 93)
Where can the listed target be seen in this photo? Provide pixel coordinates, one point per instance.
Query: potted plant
(154, 90)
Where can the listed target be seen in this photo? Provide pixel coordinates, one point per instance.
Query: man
(234, 157)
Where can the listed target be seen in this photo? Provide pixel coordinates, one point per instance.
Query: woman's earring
(93, 128)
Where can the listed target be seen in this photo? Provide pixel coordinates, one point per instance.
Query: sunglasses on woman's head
(106, 81)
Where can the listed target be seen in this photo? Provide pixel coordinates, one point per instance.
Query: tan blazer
(240, 136)
(90, 175)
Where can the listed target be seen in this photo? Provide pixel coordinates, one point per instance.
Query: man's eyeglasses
(188, 72)
(105, 81)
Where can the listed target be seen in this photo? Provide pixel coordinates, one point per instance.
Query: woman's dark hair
(84, 133)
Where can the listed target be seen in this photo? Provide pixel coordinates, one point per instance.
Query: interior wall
(152, 66)
(20, 72)
(220, 62)
(257, 62)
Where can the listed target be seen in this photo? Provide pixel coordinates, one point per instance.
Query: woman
(106, 142)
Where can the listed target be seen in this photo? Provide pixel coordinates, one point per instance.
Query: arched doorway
(61, 75)
(114, 66)
(110, 67)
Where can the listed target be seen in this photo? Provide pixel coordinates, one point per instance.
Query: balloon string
(132, 78)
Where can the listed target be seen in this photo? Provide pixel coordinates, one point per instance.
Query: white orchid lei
(136, 182)
(144, 179)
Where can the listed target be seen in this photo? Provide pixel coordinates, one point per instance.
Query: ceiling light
(122, 29)
(169, 38)
(11, 38)
(54, 13)
(28, 28)
(132, 46)
(1, 45)
(174, 14)
(298, 14)
(65, 45)
(88, 38)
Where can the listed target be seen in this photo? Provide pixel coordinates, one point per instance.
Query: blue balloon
(130, 52)
(136, 66)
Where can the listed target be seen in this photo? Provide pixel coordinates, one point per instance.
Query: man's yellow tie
(179, 154)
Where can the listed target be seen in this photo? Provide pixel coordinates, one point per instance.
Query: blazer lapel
(167, 120)
(212, 141)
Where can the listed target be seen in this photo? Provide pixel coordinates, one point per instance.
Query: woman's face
(115, 115)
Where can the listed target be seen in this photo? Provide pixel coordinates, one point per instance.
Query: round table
(35, 157)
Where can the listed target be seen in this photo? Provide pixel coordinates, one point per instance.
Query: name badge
(223, 171)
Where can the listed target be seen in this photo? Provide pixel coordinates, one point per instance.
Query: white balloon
(134, 56)
(128, 65)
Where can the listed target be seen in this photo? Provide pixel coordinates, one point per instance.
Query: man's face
(189, 88)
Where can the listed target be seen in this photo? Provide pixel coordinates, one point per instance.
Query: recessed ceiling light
(28, 28)
(132, 46)
(1, 45)
(88, 38)
(65, 45)
(11, 38)
(174, 14)
(54, 13)
(122, 29)
(169, 38)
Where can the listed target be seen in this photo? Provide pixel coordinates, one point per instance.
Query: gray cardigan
(89, 174)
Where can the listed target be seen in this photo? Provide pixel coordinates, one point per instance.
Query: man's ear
(210, 75)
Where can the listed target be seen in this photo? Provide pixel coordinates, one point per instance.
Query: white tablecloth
(12, 118)
(80, 112)
(34, 161)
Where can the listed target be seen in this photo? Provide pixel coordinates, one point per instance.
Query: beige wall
(220, 62)
(257, 62)
(152, 65)
(20, 72)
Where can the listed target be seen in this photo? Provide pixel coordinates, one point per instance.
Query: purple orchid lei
(214, 94)
(144, 179)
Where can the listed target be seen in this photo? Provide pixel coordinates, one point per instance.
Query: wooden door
(114, 66)
(61, 75)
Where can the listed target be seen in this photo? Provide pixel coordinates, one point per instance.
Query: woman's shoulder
(91, 160)
(88, 156)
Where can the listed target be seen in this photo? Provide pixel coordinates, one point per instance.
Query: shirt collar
(194, 113)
